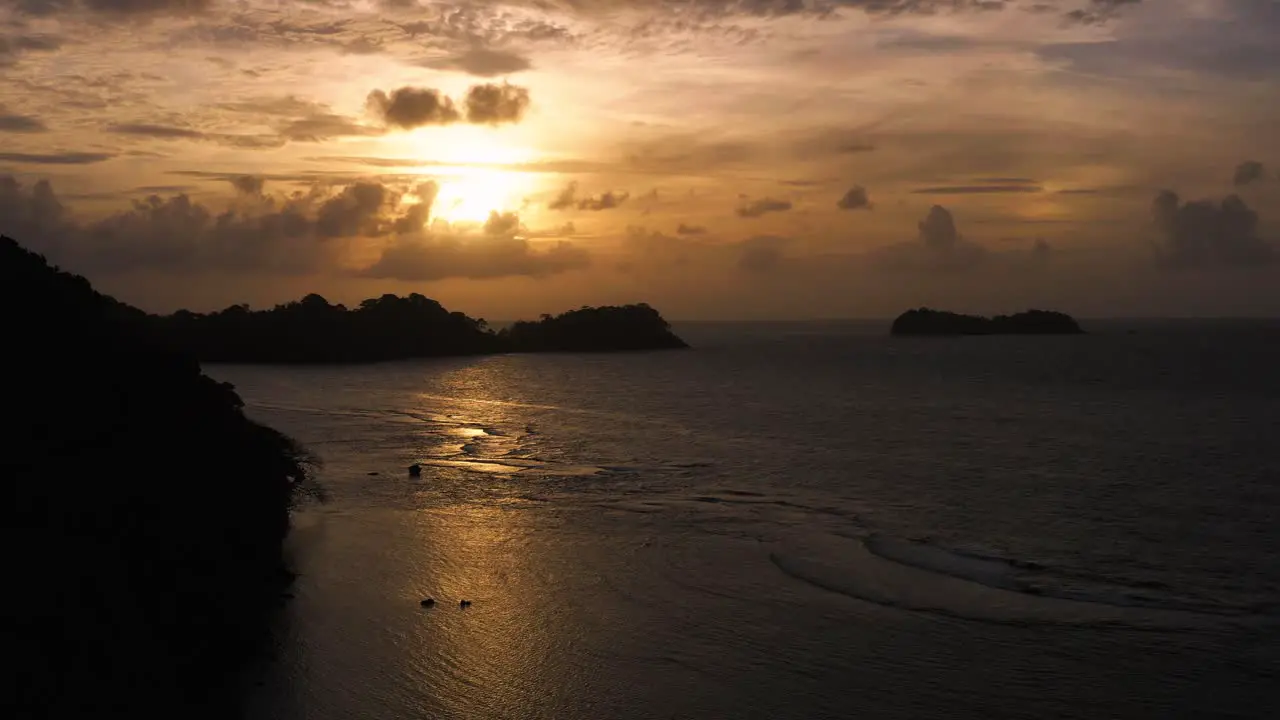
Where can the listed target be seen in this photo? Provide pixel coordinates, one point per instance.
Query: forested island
(925, 321)
(145, 512)
(393, 328)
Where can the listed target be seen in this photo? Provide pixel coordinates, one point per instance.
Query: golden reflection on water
(495, 653)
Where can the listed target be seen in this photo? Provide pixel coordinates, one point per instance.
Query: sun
(475, 169)
(468, 195)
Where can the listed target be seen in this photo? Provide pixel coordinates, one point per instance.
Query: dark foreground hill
(393, 328)
(925, 321)
(144, 513)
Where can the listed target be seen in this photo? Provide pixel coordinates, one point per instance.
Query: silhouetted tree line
(144, 512)
(390, 327)
(312, 330)
(591, 329)
(925, 321)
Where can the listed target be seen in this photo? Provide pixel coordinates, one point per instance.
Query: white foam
(847, 566)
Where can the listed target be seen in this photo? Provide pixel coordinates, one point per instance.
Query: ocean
(790, 520)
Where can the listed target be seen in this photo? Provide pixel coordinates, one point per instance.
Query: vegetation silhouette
(925, 321)
(391, 328)
(593, 329)
(145, 512)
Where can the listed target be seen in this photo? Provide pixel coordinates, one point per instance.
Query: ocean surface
(790, 521)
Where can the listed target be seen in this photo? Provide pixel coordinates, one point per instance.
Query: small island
(925, 321)
(312, 330)
(145, 512)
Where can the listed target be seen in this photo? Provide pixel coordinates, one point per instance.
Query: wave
(925, 578)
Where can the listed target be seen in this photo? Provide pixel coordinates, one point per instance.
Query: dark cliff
(145, 513)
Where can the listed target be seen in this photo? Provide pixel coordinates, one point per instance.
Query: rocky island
(145, 512)
(395, 328)
(925, 321)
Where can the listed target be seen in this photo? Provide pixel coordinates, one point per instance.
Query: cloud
(855, 199)
(565, 199)
(162, 132)
(1097, 12)
(977, 189)
(66, 158)
(314, 128)
(482, 62)
(410, 107)
(1248, 172)
(115, 7)
(21, 124)
(321, 126)
(504, 223)
(606, 201)
(1202, 233)
(763, 207)
(939, 247)
(248, 184)
(488, 104)
(303, 232)
(938, 229)
(13, 47)
(691, 230)
(496, 104)
(500, 250)
(356, 211)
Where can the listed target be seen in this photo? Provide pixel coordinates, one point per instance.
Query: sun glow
(476, 170)
(470, 194)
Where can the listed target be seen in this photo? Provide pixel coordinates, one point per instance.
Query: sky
(718, 159)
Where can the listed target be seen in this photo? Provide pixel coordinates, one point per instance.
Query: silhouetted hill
(313, 331)
(393, 328)
(925, 321)
(144, 514)
(598, 329)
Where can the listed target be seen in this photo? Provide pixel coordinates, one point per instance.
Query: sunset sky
(718, 159)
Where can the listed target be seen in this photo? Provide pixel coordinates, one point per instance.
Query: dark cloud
(66, 158)
(1248, 172)
(296, 233)
(489, 104)
(21, 124)
(502, 223)
(322, 126)
(1203, 233)
(356, 211)
(691, 230)
(566, 199)
(938, 229)
(410, 107)
(163, 132)
(939, 248)
(33, 216)
(13, 47)
(977, 189)
(855, 199)
(854, 148)
(606, 201)
(763, 206)
(117, 7)
(496, 104)
(248, 184)
(482, 62)
(1097, 12)
(500, 250)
